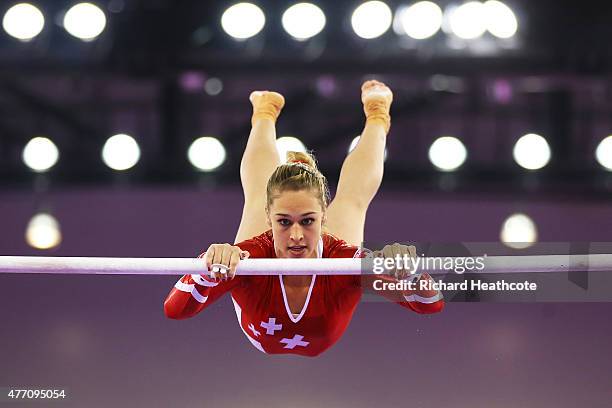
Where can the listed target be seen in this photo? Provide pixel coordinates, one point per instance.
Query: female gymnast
(286, 215)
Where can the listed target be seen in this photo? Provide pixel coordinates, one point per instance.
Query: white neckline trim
(314, 277)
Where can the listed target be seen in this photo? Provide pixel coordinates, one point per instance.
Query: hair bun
(302, 157)
(299, 172)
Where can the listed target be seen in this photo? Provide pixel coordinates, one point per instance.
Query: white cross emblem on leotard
(271, 326)
(295, 341)
(252, 328)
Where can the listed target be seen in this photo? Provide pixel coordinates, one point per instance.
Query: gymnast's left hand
(404, 257)
(222, 260)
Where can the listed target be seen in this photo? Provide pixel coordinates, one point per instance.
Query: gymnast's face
(296, 218)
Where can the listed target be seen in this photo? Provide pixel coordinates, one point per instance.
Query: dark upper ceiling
(132, 79)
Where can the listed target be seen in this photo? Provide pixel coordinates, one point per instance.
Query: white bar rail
(283, 266)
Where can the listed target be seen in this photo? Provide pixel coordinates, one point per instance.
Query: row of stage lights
(419, 20)
(302, 21)
(25, 21)
(447, 153)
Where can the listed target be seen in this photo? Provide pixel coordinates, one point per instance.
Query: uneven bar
(283, 266)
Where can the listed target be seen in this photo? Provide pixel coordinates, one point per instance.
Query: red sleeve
(420, 301)
(194, 293)
(425, 301)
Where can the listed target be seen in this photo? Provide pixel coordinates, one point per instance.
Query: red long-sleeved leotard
(263, 311)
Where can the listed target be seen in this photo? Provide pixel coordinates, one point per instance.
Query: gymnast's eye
(307, 221)
(284, 222)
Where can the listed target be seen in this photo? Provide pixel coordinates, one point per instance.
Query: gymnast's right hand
(222, 260)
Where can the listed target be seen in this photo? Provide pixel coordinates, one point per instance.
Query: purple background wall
(106, 340)
(180, 222)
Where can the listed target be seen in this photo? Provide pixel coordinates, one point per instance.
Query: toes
(374, 87)
(371, 84)
(258, 96)
(377, 91)
(367, 86)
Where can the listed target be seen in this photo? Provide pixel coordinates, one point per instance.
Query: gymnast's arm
(420, 297)
(194, 293)
(423, 301)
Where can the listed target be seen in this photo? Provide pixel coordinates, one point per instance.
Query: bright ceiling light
(603, 154)
(303, 20)
(421, 20)
(531, 152)
(23, 21)
(43, 232)
(243, 20)
(206, 153)
(85, 21)
(468, 21)
(519, 231)
(501, 21)
(447, 153)
(40, 154)
(121, 152)
(371, 19)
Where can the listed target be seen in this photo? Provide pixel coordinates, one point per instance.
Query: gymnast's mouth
(297, 249)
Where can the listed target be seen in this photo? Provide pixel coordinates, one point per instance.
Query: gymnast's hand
(404, 256)
(222, 260)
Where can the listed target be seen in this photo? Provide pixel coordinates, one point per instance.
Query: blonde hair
(299, 173)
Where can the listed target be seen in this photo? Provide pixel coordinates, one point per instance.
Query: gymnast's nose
(297, 233)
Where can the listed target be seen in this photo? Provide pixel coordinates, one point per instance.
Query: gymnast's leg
(362, 170)
(259, 160)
